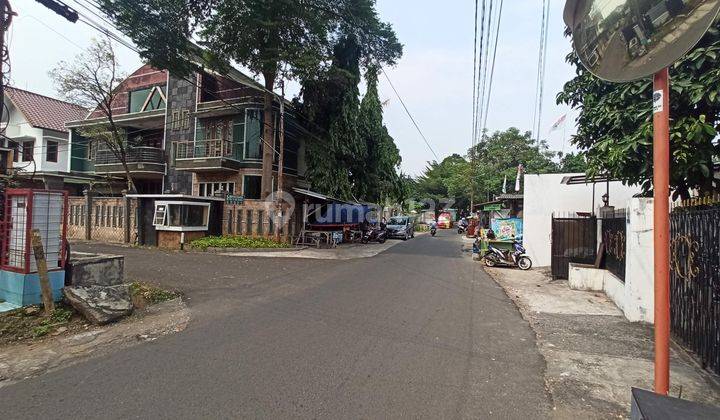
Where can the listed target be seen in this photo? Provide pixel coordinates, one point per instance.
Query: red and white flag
(559, 123)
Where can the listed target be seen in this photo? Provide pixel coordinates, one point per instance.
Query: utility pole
(6, 15)
(281, 164)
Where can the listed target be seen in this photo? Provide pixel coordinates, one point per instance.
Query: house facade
(35, 134)
(196, 136)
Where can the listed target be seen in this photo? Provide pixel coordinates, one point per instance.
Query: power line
(492, 70)
(410, 115)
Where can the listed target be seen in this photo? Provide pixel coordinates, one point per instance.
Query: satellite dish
(625, 40)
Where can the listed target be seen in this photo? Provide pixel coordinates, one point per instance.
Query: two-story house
(33, 127)
(198, 136)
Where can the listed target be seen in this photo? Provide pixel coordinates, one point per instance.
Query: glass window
(51, 152)
(238, 137)
(208, 189)
(181, 216)
(253, 134)
(27, 151)
(147, 99)
(252, 187)
(160, 211)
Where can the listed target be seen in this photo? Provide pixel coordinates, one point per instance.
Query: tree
(573, 162)
(497, 158)
(272, 38)
(376, 176)
(432, 185)
(330, 102)
(91, 80)
(615, 122)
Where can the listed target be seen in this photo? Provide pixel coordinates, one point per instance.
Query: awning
(584, 179)
(319, 196)
(510, 197)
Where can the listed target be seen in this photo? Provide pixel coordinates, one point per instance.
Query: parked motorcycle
(516, 258)
(374, 235)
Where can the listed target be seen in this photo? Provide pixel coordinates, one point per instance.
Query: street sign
(625, 40)
(234, 199)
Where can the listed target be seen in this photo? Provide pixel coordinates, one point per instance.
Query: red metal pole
(661, 188)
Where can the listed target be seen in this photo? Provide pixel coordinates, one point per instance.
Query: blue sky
(434, 76)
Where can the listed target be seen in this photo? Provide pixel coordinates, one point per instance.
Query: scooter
(517, 258)
(462, 227)
(374, 235)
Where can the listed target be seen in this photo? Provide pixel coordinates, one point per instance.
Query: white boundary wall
(635, 297)
(544, 194)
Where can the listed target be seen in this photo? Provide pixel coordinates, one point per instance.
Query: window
(208, 189)
(27, 151)
(252, 187)
(51, 152)
(253, 134)
(181, 216)
(180, 120)
(147, 99)
(16, 150)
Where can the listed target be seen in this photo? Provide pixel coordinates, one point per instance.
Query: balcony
(142, 162)
(208, 156)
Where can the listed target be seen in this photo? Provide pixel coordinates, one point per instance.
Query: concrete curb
(268, 250)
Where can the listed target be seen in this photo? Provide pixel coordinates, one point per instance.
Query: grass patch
(236, 242)
(150, 294)
(29, 323)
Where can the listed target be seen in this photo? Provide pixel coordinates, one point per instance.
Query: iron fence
(574, 240)
(695, 281)
(614, 233)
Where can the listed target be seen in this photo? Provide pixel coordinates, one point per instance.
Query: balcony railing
(202, 149)
(140, 154)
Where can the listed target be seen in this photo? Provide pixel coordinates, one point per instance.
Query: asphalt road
(419, 331)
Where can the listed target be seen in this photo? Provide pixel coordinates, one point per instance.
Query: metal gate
(574, 240)
(695, 281)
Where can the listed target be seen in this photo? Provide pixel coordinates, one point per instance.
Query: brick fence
(110, 219)
(254, 218)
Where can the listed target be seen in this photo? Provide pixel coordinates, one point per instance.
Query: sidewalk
(593, 353)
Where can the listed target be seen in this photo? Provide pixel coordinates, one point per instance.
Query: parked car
(402, 227)
(445, 221)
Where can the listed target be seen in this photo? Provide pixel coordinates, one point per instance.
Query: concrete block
(87, 269)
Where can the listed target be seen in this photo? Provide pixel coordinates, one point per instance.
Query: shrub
(236, 242)
(151, 294)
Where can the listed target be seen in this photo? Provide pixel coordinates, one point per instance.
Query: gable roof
(45, 112)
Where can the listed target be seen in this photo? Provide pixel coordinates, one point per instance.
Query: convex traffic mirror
(624, 40)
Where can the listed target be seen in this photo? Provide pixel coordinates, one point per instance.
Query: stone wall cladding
(181, 101)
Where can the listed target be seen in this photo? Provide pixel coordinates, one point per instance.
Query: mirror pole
(661, 204)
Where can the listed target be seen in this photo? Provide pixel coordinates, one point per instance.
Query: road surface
(419, 331)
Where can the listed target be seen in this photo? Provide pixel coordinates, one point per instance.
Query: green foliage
(236, 242)
(150, 293)
(60, 316)
(573, 163)
(615, 122)
(496, 158)
(377, 176)
(354, 156)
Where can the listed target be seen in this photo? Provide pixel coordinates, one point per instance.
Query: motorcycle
(516, 258)
(374, 235)
(462, 227)
(433, 231)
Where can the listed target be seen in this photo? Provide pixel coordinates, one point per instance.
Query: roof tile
(45, 112)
